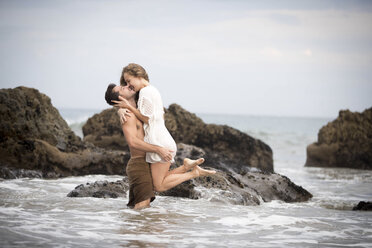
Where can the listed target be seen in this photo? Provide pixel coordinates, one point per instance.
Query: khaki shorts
(140, 181)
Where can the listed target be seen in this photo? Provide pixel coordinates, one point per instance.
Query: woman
(151, 112)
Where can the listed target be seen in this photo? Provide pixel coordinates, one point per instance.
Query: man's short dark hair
(111, 95)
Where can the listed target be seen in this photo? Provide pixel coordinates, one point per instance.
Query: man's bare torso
(134, 153)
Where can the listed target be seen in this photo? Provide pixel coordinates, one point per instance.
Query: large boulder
(363, 206)
(104, 130)
(34, 137)
(344, 142)
(101, 189)
(250, 188)
(224, 147)
(245, 188)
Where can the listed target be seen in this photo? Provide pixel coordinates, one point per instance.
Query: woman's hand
(123, 112)
(123, 103)
(165, 154)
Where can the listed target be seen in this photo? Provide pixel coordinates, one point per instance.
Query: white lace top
(150, 104)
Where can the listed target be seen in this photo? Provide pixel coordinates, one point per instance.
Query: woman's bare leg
(164, 181)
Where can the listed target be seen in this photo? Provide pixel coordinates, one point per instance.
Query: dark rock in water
(35, 137)
(101, 189)
(246, 189)
(225, 148)
(272, 186)
(228, 187)
(364, 206)
(104, 130)
(185, 189)
(13, 173)
(345, 142)
(221, 187)
(235, 149)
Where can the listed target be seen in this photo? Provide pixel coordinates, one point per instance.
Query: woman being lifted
(150, 111)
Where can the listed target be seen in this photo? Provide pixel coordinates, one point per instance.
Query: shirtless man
(141, 190)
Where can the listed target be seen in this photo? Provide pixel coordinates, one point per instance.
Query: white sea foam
(38, 212)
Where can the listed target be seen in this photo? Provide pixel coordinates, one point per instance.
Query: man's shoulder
(131, 119)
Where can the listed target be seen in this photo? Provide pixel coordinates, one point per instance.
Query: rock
(364, 206)
(104, 130)
(246, 189)
(13, 173)
(235, 149)
(33, 136)
(249, 189)
(185, 189)
(345, 142)
(225, 148)
(101, 189)
(273, 186)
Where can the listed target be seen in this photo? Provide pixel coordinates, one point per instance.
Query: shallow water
(36, 212)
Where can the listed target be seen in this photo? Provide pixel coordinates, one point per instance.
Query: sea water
(37, 213)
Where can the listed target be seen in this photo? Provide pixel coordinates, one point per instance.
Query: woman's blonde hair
(134, 70)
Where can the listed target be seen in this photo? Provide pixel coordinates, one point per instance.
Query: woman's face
(134, 83)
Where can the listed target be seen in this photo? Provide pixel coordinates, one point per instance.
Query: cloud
(261, 49)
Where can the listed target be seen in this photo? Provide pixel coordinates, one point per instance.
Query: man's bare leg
(188, 164)
(164, 181)
(142, 204)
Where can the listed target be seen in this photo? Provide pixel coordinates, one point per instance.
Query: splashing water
(36, 212)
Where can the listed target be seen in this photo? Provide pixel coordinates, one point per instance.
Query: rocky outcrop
(36, 142)
(345, 142)
(363, 206)
(104, 130)
(34, 137)
(251, 188)
(101, 189)
(223, 147)
(245, 188)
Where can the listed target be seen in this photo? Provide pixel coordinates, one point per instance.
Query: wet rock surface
(35, 141)
(224, 147)
(345, 142)
(251, 188)
(363, 206)
(34, 136)
(101, 189)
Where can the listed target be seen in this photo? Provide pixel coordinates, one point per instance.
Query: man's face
(133, 82)
(124, 91)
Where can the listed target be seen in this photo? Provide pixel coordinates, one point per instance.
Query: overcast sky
(284, 58)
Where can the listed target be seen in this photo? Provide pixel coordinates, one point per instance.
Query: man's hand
(122, 113)
(165, 154)
(123, 103)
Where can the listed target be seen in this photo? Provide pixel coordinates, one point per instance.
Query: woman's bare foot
(189, 163)
(202, 172)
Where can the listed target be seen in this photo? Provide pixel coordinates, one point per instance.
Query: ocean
(37, 213)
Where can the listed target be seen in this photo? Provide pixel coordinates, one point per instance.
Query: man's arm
(130, 133)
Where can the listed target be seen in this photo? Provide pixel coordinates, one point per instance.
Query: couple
(142, 119)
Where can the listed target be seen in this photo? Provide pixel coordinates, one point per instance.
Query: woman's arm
(139, 115)
(123, 103)
(130, 133)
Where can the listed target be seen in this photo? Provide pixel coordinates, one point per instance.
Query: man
(141, 191)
